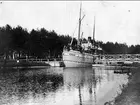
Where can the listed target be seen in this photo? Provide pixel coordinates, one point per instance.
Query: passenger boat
(83, 54)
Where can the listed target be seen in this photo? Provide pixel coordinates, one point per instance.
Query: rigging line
(73, 34)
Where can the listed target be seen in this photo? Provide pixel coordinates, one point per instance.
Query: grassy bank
(131, 92)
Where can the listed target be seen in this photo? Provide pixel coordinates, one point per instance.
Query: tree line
(39, 43)
(119, 48)
(42, 43)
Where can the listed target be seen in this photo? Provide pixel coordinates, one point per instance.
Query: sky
(115, 21)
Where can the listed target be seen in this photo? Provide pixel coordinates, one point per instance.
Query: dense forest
(42, 43)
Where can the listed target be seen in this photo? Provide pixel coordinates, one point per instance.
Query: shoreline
(131, 92)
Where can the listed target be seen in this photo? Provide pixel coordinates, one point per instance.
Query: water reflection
(21, 86)
(59, 86)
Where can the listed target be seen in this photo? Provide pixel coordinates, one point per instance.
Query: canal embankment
(130, 94)
(31, 62)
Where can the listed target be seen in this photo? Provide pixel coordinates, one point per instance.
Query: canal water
(60, 86)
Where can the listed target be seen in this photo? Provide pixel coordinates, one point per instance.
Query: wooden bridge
(118, 58)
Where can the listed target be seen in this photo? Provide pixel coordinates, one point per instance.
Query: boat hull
(74, 58)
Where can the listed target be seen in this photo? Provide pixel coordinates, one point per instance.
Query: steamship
(83, 54)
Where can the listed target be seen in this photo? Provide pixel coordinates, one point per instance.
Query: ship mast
(94, 31)
(79, 25)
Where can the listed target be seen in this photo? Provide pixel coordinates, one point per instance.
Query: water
(59, 86)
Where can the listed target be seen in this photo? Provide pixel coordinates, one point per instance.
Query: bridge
(118, 58)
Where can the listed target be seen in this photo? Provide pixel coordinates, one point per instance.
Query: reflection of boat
(80, 96)
(80, 55)
(82, 79)
(74, 77)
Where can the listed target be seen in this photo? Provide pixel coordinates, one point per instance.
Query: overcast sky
(115, 20)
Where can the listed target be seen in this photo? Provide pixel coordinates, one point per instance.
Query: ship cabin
(86, 45)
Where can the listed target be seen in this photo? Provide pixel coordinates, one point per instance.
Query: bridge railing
(120, 57)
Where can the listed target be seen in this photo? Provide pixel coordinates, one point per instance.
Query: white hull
(74, 58)
(98, 65)
(54, 63)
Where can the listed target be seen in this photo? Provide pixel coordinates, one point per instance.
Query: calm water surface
(59, 86)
